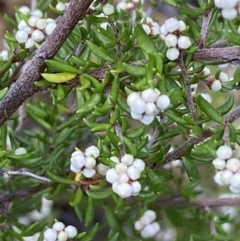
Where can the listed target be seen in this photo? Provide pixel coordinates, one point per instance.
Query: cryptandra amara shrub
(130, 120)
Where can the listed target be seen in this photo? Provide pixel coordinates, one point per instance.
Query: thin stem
(23, 172)
(205, 25)
(226, 135)
(211, 222)
(190, 101)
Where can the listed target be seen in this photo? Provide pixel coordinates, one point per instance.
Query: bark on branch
(24, 86)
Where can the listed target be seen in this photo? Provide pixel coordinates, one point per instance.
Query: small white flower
(217, 178)
(108, 9)
(71, 231)
(163, 30)
(171, 25)
(50, 27)
(136, 116)
(147, 119)
(21, 36)
(111, 175)
(151, 214)
(150, 230)
(225, 3)
(92, 151)
(229, 13)
(77, 159)
(171, 40)
(20, 151)
(150, 95)
(121, 168)
(226, 177)
(172, 54)
(4, 55)
(163, 102)
(114, 159)
(139, 106)
(235, 181)
(88, 173)
(133, 172)
(182, 26)
(136, 188)
(60, 6)
(216, 85)
(24, 9)
(22, 24)
(32, 21)
(90, 162)
(124, 190)
(62, 236)
(219, 164)
(102, 169)
(138, 225)
(58, 226)
(127, 159)
(223, 77)
(37, 35)
(37, 13)
(41, 24)
(146, 28)
(50, 234)
(224, 152)
(233, 164)
(184, 42)
(123, 178)
(140, 164)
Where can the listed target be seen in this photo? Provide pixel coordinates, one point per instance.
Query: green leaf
(192, 12)
(34, 228)
(91, 234)
(157, 183)
(76, 197)
(101, 194)
(89, 212)
(61, 66)
(208, 109)
(191, 169)
(144, 41)
(59, 77)
(100, 52)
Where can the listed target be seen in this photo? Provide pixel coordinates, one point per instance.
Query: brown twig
(205, 24)
(24, 87)
(190, 101)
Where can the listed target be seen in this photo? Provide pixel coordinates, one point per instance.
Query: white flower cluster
(59, 232)
(216, 84)
(229, 8)
(146, 224)
(145, 105)
(86, 162)
(35, 30)
(125, 174)
(228, 168)
(128, 5)
(171, 33)
(62, 6)
(150, 27)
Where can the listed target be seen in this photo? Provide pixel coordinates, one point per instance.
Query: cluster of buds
(35, 30)
(171, 33)
(146, 224)
(125, 174)
(59, 232)
(150, 27)
(216, 84)
(147, 104)
(85, 163)
(229, 8)
(128, 5)
(228, 168)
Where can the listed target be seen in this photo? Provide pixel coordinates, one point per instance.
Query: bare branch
(24, 87)
(188, 88)
(205, 24)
